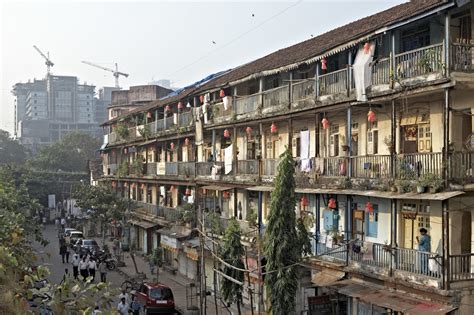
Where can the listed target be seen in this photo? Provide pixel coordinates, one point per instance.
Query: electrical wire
(234, 39)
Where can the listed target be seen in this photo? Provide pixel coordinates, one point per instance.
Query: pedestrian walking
(103, 271)
(56, 223)
(122, 307)
(62, 251)
(68, 251)
(66, 275)
(84, 268)
(63, 223)
(92, 267)
(135, 306)
(124, 295)
(75, 265)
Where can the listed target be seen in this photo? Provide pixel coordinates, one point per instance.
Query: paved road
(50, 257)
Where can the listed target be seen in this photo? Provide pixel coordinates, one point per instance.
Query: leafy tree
(282, 247)
(303, 238)
(232, 252)
(11, 151)
(70, 154)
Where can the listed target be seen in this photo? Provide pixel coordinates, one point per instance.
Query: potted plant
(403, 185)
(145, 132)
(421, 185)
(337, 238)
(433, 182)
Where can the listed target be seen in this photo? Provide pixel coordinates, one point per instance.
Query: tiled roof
(310, 48)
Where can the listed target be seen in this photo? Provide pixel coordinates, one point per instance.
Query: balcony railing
(171, 168)
(151, 168)
(302, 90)
(204, 168)
(462, 166)
(276, 97)
(185, 118)
(113, 137)
(170, 214)
(248, 167)
(186, 169)
(377, 256)
(420, 61)
(461, 267)
(333, 83)
(270, 167)
(371, 166)
(111, 169)
(417, 262)
(335, 166)
(337, 252)
(461, 57)
(160, 125)
(149, 208)
(381, 71)
(169, 122)
(247, 104)
(414, 165)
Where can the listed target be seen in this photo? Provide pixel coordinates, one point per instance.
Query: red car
(155, 298)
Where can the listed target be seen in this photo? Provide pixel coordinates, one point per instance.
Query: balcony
(303, 92)
(248, 167)
(247, 104)
(419, 62)
(461, 57)
(371, 166)
(275, 99)
(149, 208)
(169, 214)
(333, 83)
(111, 169)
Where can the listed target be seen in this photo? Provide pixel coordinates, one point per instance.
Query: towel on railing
(362, 71)
(319, 165)
(305, 165)
(227, 100)
(198, 140)
(204, 111)
(368, 252)
(228, 157)
(215, 171)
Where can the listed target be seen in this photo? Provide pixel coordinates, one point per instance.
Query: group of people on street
(127, 306)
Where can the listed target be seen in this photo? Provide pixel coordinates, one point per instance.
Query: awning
(260, 188)
(327, 277)
(356, 290)
(143, 224)
(218, 188)
(431, 308)
(174, 232)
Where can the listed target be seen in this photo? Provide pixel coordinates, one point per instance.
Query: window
(372, 221)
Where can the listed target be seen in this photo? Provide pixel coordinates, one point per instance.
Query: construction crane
(48, 62)
(115, 72)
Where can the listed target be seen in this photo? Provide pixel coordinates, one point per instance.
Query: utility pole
(202, 285)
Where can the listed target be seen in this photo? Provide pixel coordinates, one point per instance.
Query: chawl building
(378, 114)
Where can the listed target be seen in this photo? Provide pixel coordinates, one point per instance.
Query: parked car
(83, 245)
(75, 236)
(67, 231)
(155, 298)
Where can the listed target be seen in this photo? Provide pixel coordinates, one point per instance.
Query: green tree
(282, 247)
(11, 151)
(303, 238)
(232, 252)
(70, 154)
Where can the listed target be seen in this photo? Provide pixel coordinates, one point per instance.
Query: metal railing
(169, 122)
(335, 166)
(461, 267)
(149, 208)
(247, 104)
(160, 125)
(381, 71)
(171, 168)
(270, 167)
(379, 255)
(113, 137)
(302, 90)
(371, 166)
(462, 166)
(414, 165)
(170, 214)
(461, 57)
(417, 262)
(275, 97)
(420, 61)
(185, 118)
(247, 167)
(336, 252)
(111, 169)
(203, 168)
(150, 168)
(186, 169)
(333, 83)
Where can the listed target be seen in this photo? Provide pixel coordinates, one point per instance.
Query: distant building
(48, 109)
(102, 102)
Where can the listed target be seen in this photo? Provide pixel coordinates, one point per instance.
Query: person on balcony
(424, 245)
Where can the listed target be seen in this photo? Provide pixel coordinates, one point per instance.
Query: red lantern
(332, 203)
(325, 123)
(226, 133)
(273, 128)
(167, 108)
(369, 207)
(324, 64)
(187, 192)
(226, 195)
(180, 105)
(172, 145)
(366, 48)
(148, 114)
(248, 130)
(371, 116)
(304, 202)
(186, 141)
(222, 93)
(201, 98)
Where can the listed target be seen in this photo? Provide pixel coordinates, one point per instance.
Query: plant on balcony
(145, 132)
(122, 169)
(215, 223)
(122, 131)
(434, 182)
(337, 237)
(403, 185)
(389, 143)
(430, 61)
(252, 217)
(137, 166)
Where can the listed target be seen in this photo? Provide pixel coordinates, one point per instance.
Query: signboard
(52, 201)
(160, 168)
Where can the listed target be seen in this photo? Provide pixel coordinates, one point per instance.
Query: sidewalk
(177, 283)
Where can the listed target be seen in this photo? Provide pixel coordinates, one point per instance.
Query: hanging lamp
(332, 203)
(369, 207)
(273, 128)
(324, 64)
(371, 116)
(222, 93)
(325, 123)
(226, 133)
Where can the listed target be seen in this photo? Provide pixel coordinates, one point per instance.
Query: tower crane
(115, 72)
(47, 62)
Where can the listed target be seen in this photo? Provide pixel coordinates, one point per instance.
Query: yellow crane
(115, 72)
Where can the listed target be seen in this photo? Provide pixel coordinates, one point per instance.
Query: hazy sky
(156, 39)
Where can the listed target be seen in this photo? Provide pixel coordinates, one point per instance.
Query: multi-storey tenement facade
(378, 115)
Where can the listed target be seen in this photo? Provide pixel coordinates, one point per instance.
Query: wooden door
(408, 233)
(424, 138)
(358, 224)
